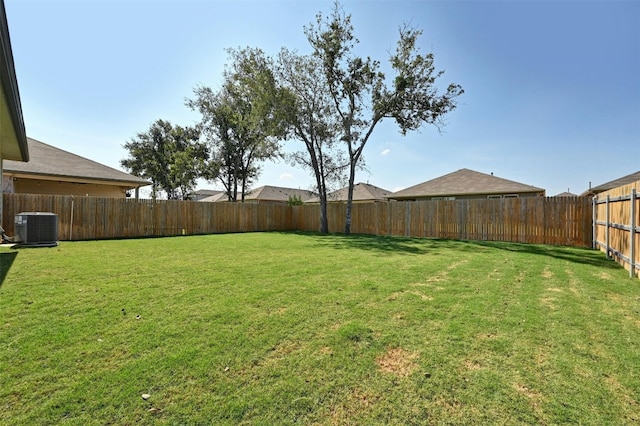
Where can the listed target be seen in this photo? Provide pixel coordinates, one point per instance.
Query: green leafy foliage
(241, 121)
(362, 96)
(295, 200)
(311, 121)
(172, 157)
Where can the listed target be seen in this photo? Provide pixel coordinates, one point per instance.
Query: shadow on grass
(385, 244)
(583, 256)
(432, 246)
(6, 259)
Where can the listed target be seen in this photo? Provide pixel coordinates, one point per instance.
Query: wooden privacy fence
(87, 218)
(617, 225)
(540, 220)
(559, 221)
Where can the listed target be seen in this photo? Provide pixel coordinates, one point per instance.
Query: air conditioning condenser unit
(36, 229)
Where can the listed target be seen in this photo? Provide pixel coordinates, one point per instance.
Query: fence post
(407, 218)
(607, 228)
(594, 221)
(632, 235)
(71, 221)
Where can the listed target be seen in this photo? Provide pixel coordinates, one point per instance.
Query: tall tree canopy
(241, 121)
(172, 157)
(363, 96)
(309, 110)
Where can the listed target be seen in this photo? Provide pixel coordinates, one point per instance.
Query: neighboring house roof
(361, 192)
(276, 193)
(200, 194)
(624, 180)
(207, 192)
(464, 182)
(48, 162)
(221, 196)
(14, 139)
(566, 194)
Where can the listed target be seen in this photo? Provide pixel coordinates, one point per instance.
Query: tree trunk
(352, 178)
(322, 194)
(324, 224)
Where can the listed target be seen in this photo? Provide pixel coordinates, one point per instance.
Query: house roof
(207, 192)
(49, 162)
(624, 180)
(220, 196)
(276, 193)
(566, 194)
(464, 182)
(361, 192)
(14, 139)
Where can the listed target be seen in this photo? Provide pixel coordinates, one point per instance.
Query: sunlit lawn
(279, 328)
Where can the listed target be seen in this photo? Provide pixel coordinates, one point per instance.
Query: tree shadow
(6, 259)
(383, 244)
(580, 255)
(431, 246)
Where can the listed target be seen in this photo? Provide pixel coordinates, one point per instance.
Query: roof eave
(72, 178)
(10, 90)
(464, 194)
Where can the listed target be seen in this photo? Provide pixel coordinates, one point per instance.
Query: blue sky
(552, 88)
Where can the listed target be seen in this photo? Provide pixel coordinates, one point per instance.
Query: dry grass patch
(422, 296)
(535, 398)
(486, 336)
(397, 361)
(628, 404)
(326, 350)
(356, 403)
(548, 302)
(472, 365)
(603, 275)
(399, 316)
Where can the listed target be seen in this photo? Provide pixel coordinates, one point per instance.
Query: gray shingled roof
(276, 193)
(361, 192)
(566, 194)
(464, 182)
(624, 180)
(220, 196)
(207, 192)
(46, 160)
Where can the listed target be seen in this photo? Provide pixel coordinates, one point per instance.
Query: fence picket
(560, 221)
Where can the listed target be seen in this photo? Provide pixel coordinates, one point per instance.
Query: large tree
(363, 96)
(309, 111)
(172, 157)
(241, 121)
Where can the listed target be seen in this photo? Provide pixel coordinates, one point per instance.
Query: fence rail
(88, 218)
(616, 229)
(558, 221)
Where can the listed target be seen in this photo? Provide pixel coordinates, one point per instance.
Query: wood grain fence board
(613, 221)
(565, 221)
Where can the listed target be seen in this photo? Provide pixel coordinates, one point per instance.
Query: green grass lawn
(281, 328)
